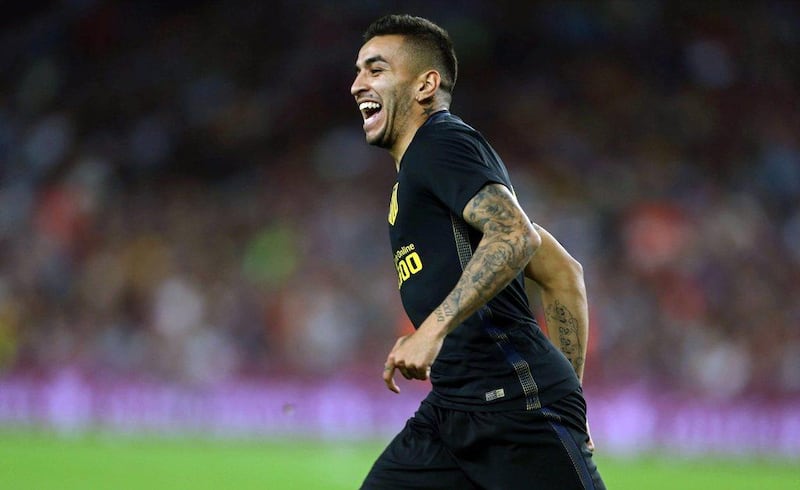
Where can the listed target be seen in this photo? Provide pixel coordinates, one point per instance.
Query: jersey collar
(436, 117)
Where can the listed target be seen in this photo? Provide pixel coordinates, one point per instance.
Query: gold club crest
(393, 206)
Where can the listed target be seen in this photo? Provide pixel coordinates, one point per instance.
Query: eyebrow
(371, 60)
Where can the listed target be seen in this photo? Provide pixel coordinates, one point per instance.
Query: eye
(375, 71)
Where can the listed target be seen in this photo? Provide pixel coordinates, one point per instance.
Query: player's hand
(590, 442)
(413, 356)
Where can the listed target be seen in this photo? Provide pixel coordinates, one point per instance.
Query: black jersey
(497, 359)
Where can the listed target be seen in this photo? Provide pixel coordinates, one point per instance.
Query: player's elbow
(574, 269)
(572, 277)
(565, 275)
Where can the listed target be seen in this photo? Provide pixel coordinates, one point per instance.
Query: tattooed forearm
(567, 328)
(562, 291)
(445, 311)
(495, 263)
(506, 247)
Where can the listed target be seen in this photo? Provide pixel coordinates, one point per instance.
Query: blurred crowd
(186, 194)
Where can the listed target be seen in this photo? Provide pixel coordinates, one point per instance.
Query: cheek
(402, 101)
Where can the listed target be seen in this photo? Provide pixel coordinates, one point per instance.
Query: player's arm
(559, 278)
(508, 243)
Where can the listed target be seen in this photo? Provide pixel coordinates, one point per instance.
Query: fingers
(389, 367)
(388, 377)
(408, 373)
(418, 372)
(411, 371)
(399, 360)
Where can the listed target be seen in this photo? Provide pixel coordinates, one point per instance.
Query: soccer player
(506, 409)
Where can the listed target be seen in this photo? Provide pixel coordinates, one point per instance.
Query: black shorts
(447, 449)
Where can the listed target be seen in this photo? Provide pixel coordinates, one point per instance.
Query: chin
(378, 140)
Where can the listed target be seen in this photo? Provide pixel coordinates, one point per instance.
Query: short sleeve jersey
(497, 359)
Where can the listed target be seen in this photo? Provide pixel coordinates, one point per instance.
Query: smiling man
(506, 408)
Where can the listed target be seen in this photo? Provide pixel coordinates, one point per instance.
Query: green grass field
(41, 461)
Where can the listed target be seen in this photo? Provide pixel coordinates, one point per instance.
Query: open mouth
(369, 110)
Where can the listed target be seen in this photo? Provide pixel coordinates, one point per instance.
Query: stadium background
(193, 237)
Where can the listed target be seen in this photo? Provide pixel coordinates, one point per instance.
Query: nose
(358, 85)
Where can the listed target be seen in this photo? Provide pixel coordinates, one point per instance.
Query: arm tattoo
(502, 253)
(560, 319)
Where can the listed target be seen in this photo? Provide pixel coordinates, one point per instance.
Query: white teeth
(364, 106)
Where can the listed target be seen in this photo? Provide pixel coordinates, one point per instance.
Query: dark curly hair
(429, 43)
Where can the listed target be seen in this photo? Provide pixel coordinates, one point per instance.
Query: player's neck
(401, 145)
(403, 142)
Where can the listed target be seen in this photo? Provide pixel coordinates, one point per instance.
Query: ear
(429, 82)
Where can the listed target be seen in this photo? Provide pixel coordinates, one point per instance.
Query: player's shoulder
(445, 133)
(447, 126)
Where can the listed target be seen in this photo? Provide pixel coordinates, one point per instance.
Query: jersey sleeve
(454, 166)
